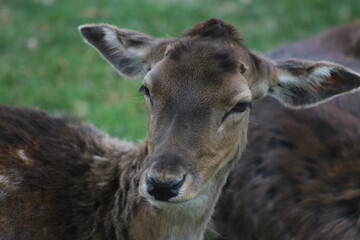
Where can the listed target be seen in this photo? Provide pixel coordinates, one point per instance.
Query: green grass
(45, 64)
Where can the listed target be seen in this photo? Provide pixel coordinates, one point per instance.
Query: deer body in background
(62, 179)
(299, 177)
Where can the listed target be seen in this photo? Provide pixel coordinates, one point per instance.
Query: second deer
(299, 177)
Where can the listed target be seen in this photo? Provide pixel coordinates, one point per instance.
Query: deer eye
(238, 108)
(145, 91)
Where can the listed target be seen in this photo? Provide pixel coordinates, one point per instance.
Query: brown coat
(299, 177)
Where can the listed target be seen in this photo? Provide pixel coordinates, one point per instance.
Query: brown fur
(82, 184)
(71, 189)
(61, 179)
(298, 178)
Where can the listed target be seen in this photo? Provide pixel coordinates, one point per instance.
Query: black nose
(161, 190)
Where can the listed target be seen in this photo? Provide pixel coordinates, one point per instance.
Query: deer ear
(126, 50)
(300, 84)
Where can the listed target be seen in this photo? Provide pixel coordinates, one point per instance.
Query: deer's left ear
(300, 84)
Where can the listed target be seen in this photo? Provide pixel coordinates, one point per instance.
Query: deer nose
(163, 190)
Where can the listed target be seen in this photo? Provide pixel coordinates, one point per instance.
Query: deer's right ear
(126, 50)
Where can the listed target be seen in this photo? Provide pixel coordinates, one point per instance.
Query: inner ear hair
(126, 50)
(302, 84)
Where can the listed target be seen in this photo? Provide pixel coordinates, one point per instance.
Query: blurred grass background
(45, 64)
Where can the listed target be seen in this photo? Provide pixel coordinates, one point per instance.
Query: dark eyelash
(144, 90)
(239, 108)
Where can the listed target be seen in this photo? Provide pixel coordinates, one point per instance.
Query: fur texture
(63, 177)
(299, 177)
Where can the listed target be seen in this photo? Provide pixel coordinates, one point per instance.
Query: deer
(64, 179)
(298, 178)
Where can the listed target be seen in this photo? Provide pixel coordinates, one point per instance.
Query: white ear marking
(110, 37)
(287, 79)
(314, 78)
(112, 40)
(137, 52)
(323, 71)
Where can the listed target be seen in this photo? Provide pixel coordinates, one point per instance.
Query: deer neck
(186, 221)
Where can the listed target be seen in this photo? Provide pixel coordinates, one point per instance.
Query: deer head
(198, 91)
